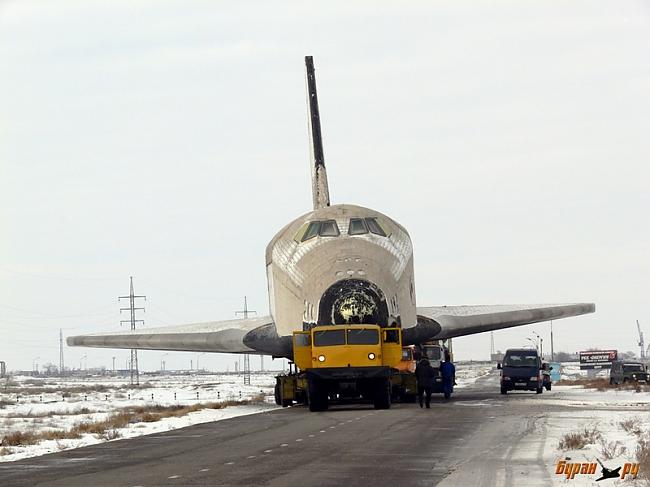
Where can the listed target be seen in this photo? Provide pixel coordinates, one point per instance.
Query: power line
(135, 374)
(247, 357)
(61, 351)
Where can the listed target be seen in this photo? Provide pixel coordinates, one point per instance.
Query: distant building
(496, 357)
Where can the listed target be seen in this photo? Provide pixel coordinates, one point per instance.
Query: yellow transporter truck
(341, 362)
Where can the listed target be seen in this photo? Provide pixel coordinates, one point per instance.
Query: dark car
(521, 371)
(622, 372)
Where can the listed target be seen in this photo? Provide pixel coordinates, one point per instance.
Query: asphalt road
(468, 439)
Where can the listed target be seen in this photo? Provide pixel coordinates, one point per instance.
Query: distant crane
(641, 342)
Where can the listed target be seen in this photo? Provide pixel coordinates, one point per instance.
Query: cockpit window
(329, 228)
(357, 227)
(375, 227)
(312, 230)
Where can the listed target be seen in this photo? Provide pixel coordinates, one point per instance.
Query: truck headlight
(534, 378)
(371, 356)
(321, 358)
(505, 378)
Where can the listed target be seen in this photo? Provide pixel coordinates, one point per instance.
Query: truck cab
(341, 362)
(521, 370)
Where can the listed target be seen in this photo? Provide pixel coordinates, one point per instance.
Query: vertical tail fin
(320, 189)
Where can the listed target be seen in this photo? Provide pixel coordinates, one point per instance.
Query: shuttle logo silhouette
(570, 470)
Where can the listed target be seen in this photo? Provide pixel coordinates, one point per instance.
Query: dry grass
(19, 438)
(577, 440)
(632, 426)
(603, 384)
(151, 414)
(108, 428)
(24, 438)
(611, 449)
(643, 457)
(6, 451)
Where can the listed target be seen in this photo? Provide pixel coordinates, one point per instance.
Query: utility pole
(247, 357)
(492, 352)
(135, 374)
(539, 345)
(552, 352)
(61, 372)
(113, 365)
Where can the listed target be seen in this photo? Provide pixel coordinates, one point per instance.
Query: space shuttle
(338, 264)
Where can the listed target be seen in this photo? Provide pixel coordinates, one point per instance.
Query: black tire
(381, 396)
(279, 397)
(539, 390)
(277, 394)
(548, 387)
(316, 395)
(504, 391)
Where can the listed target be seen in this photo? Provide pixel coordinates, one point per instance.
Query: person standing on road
(448, 373)
(424, 374)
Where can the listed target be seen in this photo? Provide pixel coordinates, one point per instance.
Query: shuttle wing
(453, 321)
(212, 336)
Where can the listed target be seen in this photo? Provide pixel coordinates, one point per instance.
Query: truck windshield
(432, 353)
(632, 368)
(362, 337)
(328, 338)
(520, 360)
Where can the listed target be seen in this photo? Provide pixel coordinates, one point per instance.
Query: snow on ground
(34, 405)
(469, 372)
(37, 405)
(619, 419)
(606, 414)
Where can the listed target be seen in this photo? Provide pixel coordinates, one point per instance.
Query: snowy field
(36, 405)
(54, 404)
(608, 425)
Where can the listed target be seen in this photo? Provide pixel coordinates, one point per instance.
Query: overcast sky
(168, 141)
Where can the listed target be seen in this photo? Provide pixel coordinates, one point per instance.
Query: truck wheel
(539, 390)
(277, 394)
(381, 398)
(548, 387)
(316, 395)
(504, 390)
